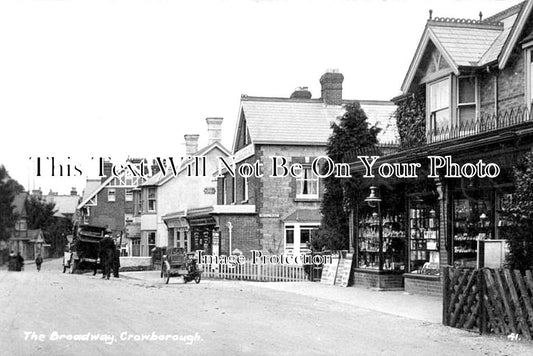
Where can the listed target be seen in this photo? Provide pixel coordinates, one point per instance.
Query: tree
(41, 216)
(8, 189)
(518, 212)
(341, 194)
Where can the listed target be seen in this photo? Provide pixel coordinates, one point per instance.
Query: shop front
(204, 231)
(417, 226)
(178, 231)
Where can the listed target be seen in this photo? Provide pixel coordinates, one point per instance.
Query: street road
(41, 311)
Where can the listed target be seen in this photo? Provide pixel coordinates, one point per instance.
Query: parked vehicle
(83, 252)
(177, 263)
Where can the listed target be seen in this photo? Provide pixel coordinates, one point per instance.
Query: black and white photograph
(266, 177)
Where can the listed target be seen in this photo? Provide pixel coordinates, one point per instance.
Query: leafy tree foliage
(410, 120)
(41, 216)
(519, 213)
(8, 189)
(351, 133)
(40, 213)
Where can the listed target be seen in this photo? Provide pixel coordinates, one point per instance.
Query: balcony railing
(484, 123)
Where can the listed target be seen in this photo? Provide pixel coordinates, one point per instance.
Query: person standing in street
(20, 262)
(39, 262)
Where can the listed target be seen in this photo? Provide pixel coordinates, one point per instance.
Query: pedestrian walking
(20, 262)
(107, 248)
(39, 262)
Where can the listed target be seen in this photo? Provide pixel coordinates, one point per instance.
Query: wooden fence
(488, 300)
(256, 272)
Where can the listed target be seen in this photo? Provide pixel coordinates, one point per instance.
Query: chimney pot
(331, 83)
(73, 191)
(191, 144)
(214, 129)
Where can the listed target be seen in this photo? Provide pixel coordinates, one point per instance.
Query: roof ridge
(505, 13)
(455, 21)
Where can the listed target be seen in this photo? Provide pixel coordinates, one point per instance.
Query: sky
(119, 78)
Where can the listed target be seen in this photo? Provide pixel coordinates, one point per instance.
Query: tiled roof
(153, 180)
(305, 122)
(494, 51)
(91, 186)
(465, 45)
(64, 204)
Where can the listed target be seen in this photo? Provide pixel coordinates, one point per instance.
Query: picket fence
(498, 301)
(256, 272)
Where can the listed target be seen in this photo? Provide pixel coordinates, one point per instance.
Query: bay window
(439, 104)
(466, 102)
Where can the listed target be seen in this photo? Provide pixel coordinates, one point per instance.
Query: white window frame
(528, 70)
(152, 199)
(474, 103)
(300, 182)
(433, 123)
(128, 195)
(111, 195)
(297, 246)
(245, 190)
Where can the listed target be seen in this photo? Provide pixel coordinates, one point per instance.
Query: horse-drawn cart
(177, 263)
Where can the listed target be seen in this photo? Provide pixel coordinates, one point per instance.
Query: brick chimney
(331, 83)
(73, 191)
(191, 144)
(214, 129)
(108, 167)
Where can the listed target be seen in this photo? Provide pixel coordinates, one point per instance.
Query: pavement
(399, 303)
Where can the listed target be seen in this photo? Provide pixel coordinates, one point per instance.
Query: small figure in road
(20, 262)
(107, 246)
(39, 262)
(116, 263)
(12, 264)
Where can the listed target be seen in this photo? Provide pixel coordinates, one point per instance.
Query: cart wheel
(167, 272)
(197, 278)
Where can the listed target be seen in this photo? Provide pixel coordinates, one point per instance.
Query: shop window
(151, 241)
(466, 101)
(136, 247)
(423, 235)
(152, 199)
(439, 97)
(472, 222)
(111, 194)
(307, 184)
(129, 195)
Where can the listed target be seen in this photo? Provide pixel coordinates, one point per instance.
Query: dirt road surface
(41, 311)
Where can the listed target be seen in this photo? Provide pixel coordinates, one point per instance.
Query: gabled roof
(184, 164)
(91, 186)
(524, 9)
(304, 121)
(64, 204)
(468, 43)
(153, 180)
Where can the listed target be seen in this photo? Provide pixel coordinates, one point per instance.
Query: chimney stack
(108, 170)
(73, 191)
(191, 144)
(331, 83)
(214, 129)
(301, 93)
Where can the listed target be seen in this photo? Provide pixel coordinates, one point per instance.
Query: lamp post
(374, 201)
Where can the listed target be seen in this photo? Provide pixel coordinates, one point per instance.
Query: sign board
(343, 272)
(329, 271)
(209, 190)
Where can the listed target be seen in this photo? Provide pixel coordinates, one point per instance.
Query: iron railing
(482, 124)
